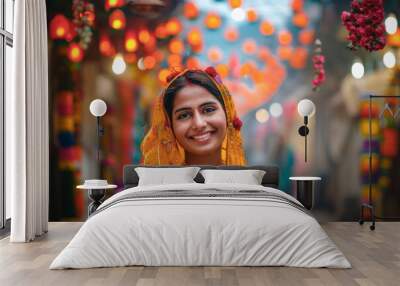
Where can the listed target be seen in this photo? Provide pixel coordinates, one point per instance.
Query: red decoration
(131, 43)
(192, 63)
(364, 163)
(212, 21)
(144, 36)
(83, 19)
(105, 46)
(175, 61)
(172, 75)
(214, 54)
(195, 39)
(318, 63)
(161, 31)
(394, 40)
(365, 25)
(298, 58)
(69, 153)
(389, 146)
(231, 34)
(222, 70)
(176, 46)
(300, 20)
(285, 52)
(264, 54)
(235, 3)
(149, 62)
(251, 15)
(159, 55)
(90, 16)
(59, 27)
(163, 75)
(266, 28)
(249, 46)
(117, 19)
(151, 44)
(130, 58)
(75, 53)
(190, 10)
(65, 103)
(173, 26)
(72, 32)
(297, 5)
(237, 123)
(285, 37)
(306, 37)
(211, 71)
(113, 4)
(364, 110)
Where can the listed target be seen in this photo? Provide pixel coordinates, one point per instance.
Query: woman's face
(198, 120)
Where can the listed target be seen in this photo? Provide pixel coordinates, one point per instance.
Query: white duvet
(183, 231)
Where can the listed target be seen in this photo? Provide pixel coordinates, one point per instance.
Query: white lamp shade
(98, 107)
(306, 108)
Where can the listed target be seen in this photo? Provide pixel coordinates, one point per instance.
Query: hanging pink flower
(365, 25)
(318, 63)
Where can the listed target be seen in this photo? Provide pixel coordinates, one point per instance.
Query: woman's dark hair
(190, 77)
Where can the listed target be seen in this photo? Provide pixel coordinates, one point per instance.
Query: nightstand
(96, 194)
(305, 190)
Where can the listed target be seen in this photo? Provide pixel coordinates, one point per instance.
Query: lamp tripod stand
(370, 204)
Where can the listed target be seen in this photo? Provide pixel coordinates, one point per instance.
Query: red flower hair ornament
(237, 123)
(213, 73)
(172, 75)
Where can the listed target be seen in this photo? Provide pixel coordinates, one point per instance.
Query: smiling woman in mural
(194, 122)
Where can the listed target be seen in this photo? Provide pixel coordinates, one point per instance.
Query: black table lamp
(306, 108)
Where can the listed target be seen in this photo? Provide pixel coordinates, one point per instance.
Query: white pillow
(162, 176)
(248, 177)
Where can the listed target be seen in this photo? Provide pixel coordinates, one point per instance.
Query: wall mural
(268, 54)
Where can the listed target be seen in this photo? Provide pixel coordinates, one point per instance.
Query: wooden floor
(374, 255)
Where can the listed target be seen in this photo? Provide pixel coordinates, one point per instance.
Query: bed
(201, 224)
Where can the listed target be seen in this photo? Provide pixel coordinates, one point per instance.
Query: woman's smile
(203, 137)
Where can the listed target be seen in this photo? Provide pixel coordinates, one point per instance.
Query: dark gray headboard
(270, 179)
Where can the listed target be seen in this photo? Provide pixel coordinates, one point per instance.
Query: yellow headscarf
(160, 147)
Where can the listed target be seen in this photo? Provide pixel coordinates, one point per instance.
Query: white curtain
(27, 139)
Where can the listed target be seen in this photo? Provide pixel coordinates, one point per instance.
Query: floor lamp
(98, 108)
(97, 187)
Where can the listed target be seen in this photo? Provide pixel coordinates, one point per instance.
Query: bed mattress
(201, 225)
